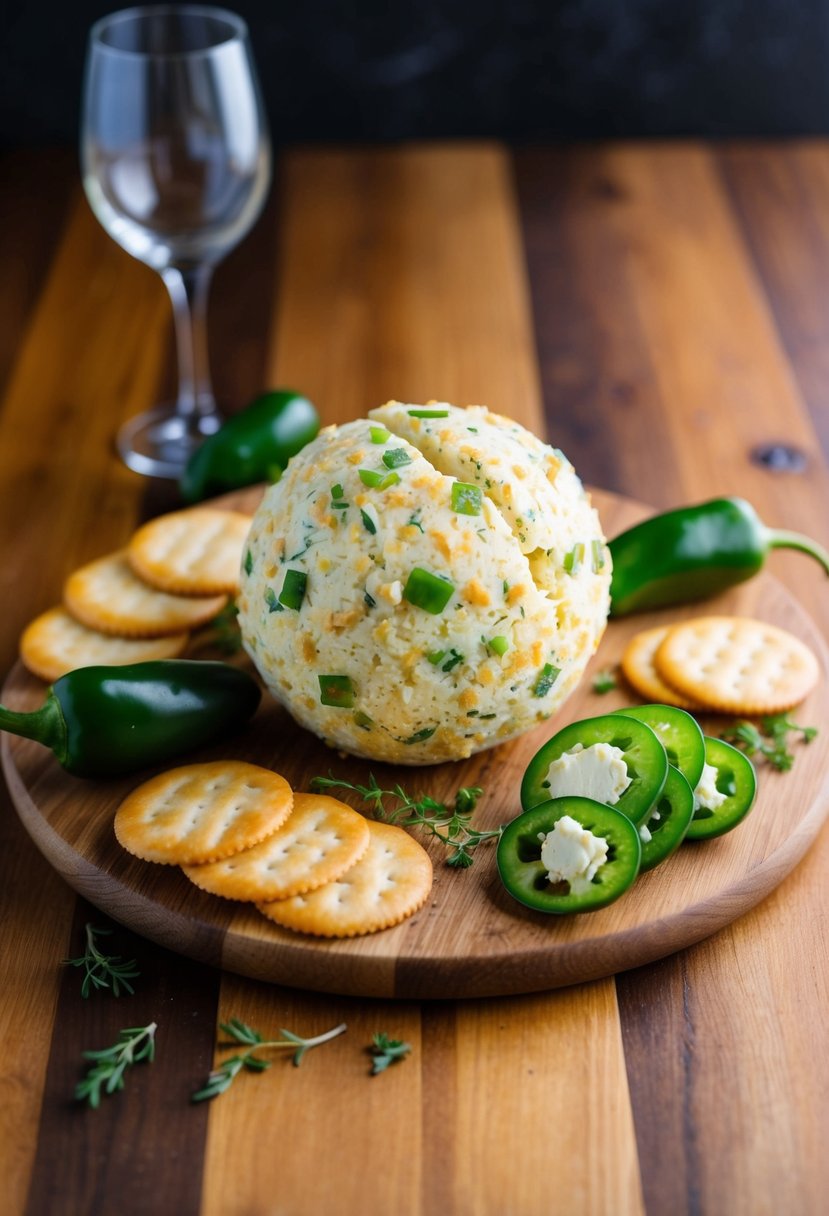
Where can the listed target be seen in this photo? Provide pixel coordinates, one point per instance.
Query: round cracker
(201, 812)
(109, 596)
(55, 643)
(320, 840)
(195, 552)
(736, 665)
(391, 881)
(638, 668)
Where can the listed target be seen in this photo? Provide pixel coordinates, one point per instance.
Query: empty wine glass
(176, 166)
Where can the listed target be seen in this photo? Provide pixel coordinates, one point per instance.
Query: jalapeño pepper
(251, 446)
(694, 553)
(107, 721)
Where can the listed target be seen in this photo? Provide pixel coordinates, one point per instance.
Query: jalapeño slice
(679, 734)
(663, 830)
(736, 779)
(643, 754)
(526, 878)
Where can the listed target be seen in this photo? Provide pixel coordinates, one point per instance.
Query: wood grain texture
(665, 279)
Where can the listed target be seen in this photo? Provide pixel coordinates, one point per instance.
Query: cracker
(736, 665)
(319, 841)
(638, 668)
(109, 596)
(391, 880)
(55, 643)
(201, 812)
(196, 552)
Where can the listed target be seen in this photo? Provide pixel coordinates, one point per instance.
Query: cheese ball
(424, 583)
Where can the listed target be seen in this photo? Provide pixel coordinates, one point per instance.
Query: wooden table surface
(663, 311)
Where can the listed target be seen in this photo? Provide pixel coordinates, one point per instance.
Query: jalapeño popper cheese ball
(424, 583)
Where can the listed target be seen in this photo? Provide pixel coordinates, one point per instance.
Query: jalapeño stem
(45, 725)
(779, 538)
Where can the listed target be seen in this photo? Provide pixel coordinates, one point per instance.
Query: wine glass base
(160, 442)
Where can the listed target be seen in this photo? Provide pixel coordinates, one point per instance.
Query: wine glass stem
(188, 293)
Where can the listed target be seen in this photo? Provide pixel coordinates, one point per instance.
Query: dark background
(520, 70)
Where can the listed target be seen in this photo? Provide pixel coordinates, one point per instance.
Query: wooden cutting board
(471, 938)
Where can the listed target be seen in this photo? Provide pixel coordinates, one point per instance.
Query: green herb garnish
(271, 600)
(337, 691)
(435, 656)
(546, 679)
(428, 413)
(248, 562)
(414, 521)
(293, 589)
(107, 1073)
(604, 681)
(396, 458)
(222, 1078)
(368, 522)
(450, 826)
(455, 657)
(385, 1051)
(770, 739)
(431, 592)
(103, 970)
(420, 736)
(467, 499)
(337, 491)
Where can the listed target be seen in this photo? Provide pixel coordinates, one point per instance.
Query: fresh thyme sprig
(604, 681)
(770, 739)
(451, 826)
(107, 1073)
(385, 1051)
(103, 970)
(222, 1077)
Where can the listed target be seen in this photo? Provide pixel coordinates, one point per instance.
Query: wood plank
(711, 380)
(405, 267)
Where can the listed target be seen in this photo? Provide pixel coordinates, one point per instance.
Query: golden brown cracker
(638, 668)
(391, 881)
(194, 552)
(737, 665)
(55, 643)
(320, 840)
(201, 812)
(109, 596)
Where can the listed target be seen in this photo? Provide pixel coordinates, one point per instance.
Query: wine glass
(176, 166)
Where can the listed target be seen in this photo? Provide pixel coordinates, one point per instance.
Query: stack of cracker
(307, 861)
(143, 601)
(721, 664)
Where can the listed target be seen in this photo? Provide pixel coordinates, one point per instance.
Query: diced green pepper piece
(293, 589)
(499, 645)
(375, 480)
(435, 656)
(574, 559)
(428, 413)
(431, 592)
(337, 491)
(337, 691)
(546, 679)
(597, 559)
(395, 458)
(466, 499)
(362, 720)
(379, 434)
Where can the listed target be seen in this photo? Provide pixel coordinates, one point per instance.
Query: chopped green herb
(455, 657)
(103, 970)
(604, 681)
(248, 563)
(597, 559)
(293, 589)
(473, 429)
(337, 491)
(435, 657)
(106, 1076)
(506, 588)
(375, 480)
(484, 716)
(466, 498)
(370, 600)
(363, 720)
(574, 558)
(368, 522)
(414, 521)
(396, 458)
(428, 413)
(420, 736)
(546, 679)
(770, 739)
(271, 600)
(379, 434)
(385, 1051)
(431, 592)
(472, 713)
(336, 691)
(499, 645)
(340, 505)
(239, 1032)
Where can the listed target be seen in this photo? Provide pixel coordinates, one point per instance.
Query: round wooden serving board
(471, 938)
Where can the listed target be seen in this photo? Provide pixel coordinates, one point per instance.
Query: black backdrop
(518, 69)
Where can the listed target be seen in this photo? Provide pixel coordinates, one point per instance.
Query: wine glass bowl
(176, 166)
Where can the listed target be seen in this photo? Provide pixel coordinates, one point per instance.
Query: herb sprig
(223, 1077)
(770, 739)
(103, 970)
(107, 1073)
(604, 681)
(385, 1051)
(450, 825)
